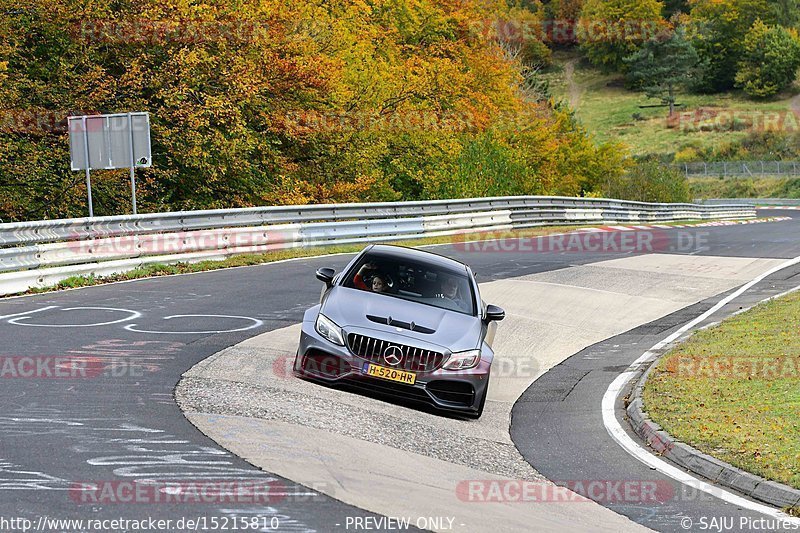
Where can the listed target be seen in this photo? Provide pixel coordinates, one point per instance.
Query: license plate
(391, 374)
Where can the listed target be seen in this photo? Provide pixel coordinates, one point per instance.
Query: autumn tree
(785, 12)
(264, 102)
(770, 59)
(610, 30)
(563, 10)
(663, 66)
(673, 7)
(719, 28)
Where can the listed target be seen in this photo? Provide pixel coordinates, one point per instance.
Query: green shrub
(535, 53)
(770, 60)
(649, 180)
(790, 189)
(719, 28)
(757, 145)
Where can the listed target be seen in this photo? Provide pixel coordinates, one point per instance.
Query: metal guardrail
(42, 253)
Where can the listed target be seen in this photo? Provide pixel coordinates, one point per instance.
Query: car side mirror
(494, 313)
(325, 275)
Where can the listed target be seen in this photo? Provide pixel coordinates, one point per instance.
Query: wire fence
(740, 169)
(784, 202)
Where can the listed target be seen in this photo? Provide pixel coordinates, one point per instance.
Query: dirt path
(573, 90)
(794, 105)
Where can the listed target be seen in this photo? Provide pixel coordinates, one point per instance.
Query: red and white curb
(778, 207)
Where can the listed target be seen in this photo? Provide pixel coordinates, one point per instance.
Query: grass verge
(733, 391)
(155, 270)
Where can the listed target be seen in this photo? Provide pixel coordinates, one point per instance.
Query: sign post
(88, 173)
(133, 174)
(119, 140)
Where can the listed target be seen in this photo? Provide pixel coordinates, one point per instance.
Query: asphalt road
(122, 423)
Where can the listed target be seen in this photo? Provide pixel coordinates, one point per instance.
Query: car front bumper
(459, 391)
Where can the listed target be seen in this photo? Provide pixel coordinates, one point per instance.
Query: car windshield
(414, 281)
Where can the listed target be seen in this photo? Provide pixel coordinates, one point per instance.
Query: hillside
(705, 122)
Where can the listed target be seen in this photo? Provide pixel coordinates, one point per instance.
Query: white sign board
(120, 140)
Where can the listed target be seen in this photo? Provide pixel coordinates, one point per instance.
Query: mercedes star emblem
(393, 355)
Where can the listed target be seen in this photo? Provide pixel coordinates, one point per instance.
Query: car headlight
(463, 360)
(328, 329)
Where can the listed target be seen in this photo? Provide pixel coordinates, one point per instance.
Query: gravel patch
(222, 397)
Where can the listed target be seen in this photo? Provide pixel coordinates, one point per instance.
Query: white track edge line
(617, 432)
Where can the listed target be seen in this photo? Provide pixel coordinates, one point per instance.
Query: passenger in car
(378, 283)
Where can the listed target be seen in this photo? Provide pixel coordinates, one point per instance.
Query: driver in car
(449, 288)
(450, 291)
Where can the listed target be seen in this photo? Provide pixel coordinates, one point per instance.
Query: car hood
(451, 330)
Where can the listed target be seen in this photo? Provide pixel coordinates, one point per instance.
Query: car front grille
(412, 359)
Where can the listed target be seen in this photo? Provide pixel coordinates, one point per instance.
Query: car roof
(412, 254)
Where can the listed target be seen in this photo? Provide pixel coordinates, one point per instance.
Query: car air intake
(452, 391)
(321, 364)
(410, 358)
